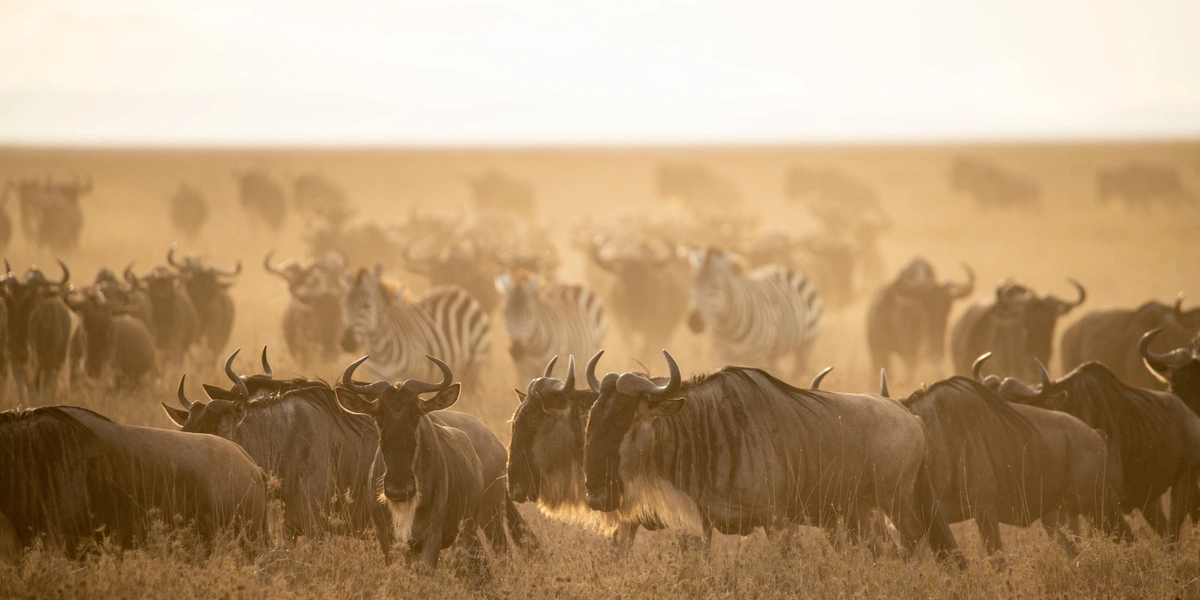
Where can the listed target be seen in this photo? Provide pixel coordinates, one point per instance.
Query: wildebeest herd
(410, 313)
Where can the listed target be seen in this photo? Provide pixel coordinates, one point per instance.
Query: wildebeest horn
(237, 381)
(371, 391)
(1015, 387)
(237, 270)
(130, 276)
(1175, 359)
(1046, 383)
(977, 366)
(631, 383)
(267, 264)
(883, 389)
(591, 372)
(421, 387)
(66, 272)
(568, 384)
(816, 382)
(270, 374)
(550, 366)
(7, 268)
(1082, 294)
(1179, 304)
(171, 257)
(963, 290)
(183, 401)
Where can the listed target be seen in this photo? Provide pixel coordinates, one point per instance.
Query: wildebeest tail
(521, 534)
(941, 539)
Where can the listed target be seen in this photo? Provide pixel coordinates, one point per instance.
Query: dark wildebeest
(738, 449)
(998, 462)
(114, 339)
(174, 315)
(460, 262)
(312, 322)
(50, 212)
(208, 287)
(648, 293)
(130, 292)
(1179, 368)
(437, 471)
(837, 199)
(1111, 336)
(5, 220)
(73, 478)
(316, 195)
(188, 210)
(1153, 435)
(993, 188)
(262, 197)
(907, 318)
(1016, 327)
(295, 430)
(40, 328)
(696, 187)
(1139, 185)
(499, 192)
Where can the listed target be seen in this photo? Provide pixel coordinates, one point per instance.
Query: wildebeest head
(917, 283)
(547, 434)
(1179, 368)
(225, 410)
(1041, 317)
(312, 280)
(203, 281)
(711, 270)
(397, 411)
(1049, 394)
(626, 401)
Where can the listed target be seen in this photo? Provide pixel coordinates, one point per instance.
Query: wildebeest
(1111, 336)
(73, 478)
(696, 187)
(5, 219)
(647, 294)
(131, 292)
(321, 197)
(262, 197)
(907, 318)
(188, 210)
(548, 319)
(208, 287)
(40, 327)
(1139, 185)
(1179, 368)
(1153, 435)
(739, 449)
(460, 262)
(499, 192)
(1016, 327)
(295, 430)
(114, 339)
(998, 462)
(397, 330)
(312, 322)
(50, 211)
(172, 311)
(992, 187)
(756, 318)
(840, 201)
(437, 471)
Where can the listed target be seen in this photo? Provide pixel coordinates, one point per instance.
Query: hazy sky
(606, 71)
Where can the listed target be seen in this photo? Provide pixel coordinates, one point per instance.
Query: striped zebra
(545, 320)
(398, 332)
(756, 318)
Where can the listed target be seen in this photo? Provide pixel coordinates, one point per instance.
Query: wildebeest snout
(400, 491)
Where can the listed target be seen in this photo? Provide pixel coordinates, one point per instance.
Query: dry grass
(1122, 259)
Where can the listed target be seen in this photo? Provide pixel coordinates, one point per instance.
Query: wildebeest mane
(316, 392)
(962, 387)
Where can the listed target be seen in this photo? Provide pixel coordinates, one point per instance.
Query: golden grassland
(1123, 259)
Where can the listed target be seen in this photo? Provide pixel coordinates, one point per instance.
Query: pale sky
(470, 72)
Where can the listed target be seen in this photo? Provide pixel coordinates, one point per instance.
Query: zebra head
(712, 271)
(520, 292)
(362, 304)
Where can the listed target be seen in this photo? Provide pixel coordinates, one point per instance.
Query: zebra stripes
(756, 318)
(549, 319)
(397, 332)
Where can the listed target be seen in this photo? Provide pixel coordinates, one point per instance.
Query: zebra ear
(695, 256)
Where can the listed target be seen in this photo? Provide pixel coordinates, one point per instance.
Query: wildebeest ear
(521, 396)
(238, 410)
(555, 405)
(354, 403)
(695, 256)
(666, 408)
(179, 416)
(217, 393)
(443, 399)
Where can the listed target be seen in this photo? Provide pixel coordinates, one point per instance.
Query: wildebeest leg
(623, 539)
(522, 535)
(383, 529)
(1052, 522)
(1181, 498)
(491, 516)
(426, 553)
(477, 571)
(1154, 515)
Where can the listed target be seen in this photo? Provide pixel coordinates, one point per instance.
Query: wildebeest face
(547, 437)
(1179, 369)
(625, 402)
(217, 417)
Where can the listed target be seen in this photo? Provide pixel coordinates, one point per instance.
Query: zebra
(545, 320)
(757, 317)
(399, 331)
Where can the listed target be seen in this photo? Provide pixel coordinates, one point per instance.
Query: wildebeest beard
(404, 515)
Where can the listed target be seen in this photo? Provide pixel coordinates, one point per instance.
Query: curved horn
(568, 384)
(183, 401)
(816, 382)
(1046, 383)
(883, 388)
(631, 383)
(66, 272)
(171, 257)
(421, 387)
(237, 270)
(958, 291)
(237, 381)
(1016, 388)
(267, 264)
(7, 268)
(977, 366)
(1175, 359)
(371, 391)
(1179, 304)
(1082, 294)
(550, 367)
(267, 371)
(130, 277)
(591, 372)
